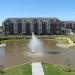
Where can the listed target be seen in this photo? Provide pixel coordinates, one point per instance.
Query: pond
(16, 53)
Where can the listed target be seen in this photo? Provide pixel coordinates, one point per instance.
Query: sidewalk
(37, 69)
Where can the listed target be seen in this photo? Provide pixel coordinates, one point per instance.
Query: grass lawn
(18, 70)
(50, 69)
(14, 40)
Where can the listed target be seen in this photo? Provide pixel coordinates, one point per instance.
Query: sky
(61, 9)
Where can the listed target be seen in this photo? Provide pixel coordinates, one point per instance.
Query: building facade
(0, 29)
(40, 26)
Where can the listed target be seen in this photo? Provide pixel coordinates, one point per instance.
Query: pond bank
(2, 45)
(23, 69)
(53, 69)
(49, 69)
(63, 44)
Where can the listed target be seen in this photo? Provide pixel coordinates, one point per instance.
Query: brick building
(40, 26)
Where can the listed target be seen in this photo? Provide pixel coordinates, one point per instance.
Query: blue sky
(62, 9)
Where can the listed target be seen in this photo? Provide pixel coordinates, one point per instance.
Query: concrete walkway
(37, 69)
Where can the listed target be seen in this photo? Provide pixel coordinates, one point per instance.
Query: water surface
(16, 53)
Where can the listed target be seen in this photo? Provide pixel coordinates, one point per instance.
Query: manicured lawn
(19, 70)
(50, 69)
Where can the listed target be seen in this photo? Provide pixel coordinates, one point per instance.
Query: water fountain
(35, 44)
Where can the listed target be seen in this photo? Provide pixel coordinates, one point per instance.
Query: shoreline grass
(23, 69)
(49, 69)
(52, 69)
(18, 38)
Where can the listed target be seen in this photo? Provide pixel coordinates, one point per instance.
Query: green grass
(18, 70)
(50, 69)
(14, 40)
